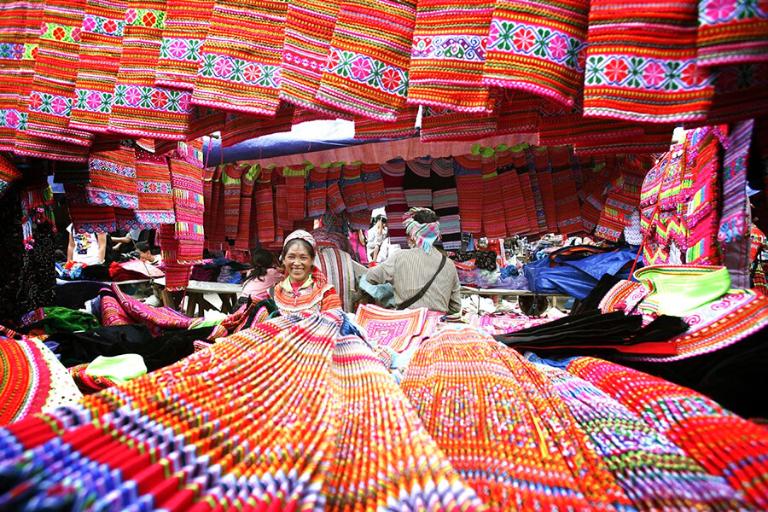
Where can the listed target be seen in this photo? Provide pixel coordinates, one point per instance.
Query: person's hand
(379, 227)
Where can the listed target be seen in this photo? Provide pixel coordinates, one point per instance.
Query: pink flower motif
(390, 79)
(132, 96)
(616, 70)
(361, 68)
(524, 40)
(35, 101)
(720, 9)
(558, 46)
(59, 105)
(93, 100)
(653, 74)
(252, 73)
(12, 119)
(89, 24)
(333, 59)
(177, 49)
(222, 67)
(76, 34)
(184, 100)
(130, 16)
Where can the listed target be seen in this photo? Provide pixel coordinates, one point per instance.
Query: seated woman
(262, 277)
(305, 287)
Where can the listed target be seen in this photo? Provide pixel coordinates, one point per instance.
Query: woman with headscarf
(305, 287)
(421, 276)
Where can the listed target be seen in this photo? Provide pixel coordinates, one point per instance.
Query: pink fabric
(257, 289)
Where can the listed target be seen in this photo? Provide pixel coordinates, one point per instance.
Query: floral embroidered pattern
(464, 48)
(644, 73)
(12, 118)
(93, 101)
(109, 198)
(103, 26)
(224, 67)
(153, 187)
(368, 71)
(97, 164)
(148, 18)
(531, 40)
(712, 12)
(11, 51)
(158, 217)
(181, 49)
(57, 32)
(30, 51)
(50, 104)
(152, 98)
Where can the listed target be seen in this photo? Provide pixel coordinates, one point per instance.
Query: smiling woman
(305, 287)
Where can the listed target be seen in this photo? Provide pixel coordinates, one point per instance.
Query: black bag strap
(421, 292)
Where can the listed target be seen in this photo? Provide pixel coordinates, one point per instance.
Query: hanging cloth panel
(242, 127)
(702, 200)
(317, 190)
(112, 170)
(516, 218)
(235, 74)
(87, 218)
(187, 182)
(417, 184)
(53, 87)
(353, 188)
(403, 126)
(645, 71)
(494, 223)
(231, 179)
(544, 178)
(366, 73)
(526, 174)
(469, 186)
(265, 206)
(140, 108)
(336, 203)
(566, 197)
(732, 33)
(180, 49)
(393, 174)
(442, 124)
(538, 47)
(375, 195)
(445, 202)
(153, 184)
(101, 48)
(247, 182)
(296, 185)
(448, 53)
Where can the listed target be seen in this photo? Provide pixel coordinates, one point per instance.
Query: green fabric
(678, 290)
(119, 369)
(58, 319)
(212, 322)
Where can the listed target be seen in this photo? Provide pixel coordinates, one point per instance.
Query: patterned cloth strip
(153, 182)
(176, 274)
(555, 465)
(26, 379)
(700, 198)
(15, 53)
(87, 218)
(236, 75)
(741, 92)
(442, 124)
(544, 177)
(50, 101)
(375, 195)
(417, 185)
(517, 112)
(402, 127)
(723, 444)
(295, 181)
(732, 32)
(393, 175)
(469, 186)
(335, 200)
(448, 54)
(316, 191)
(308, 31)
(139, 107)
(525, 169)
(654, 140)
(644, 71)
(265, 206)
(283, 224)
(494, 218)
(112, 170)
(8, 174)
(101, 48)
(399, 331)
(241, 127)
(515, 214)
(184, 33)
(445, 202)
(538, 47)
(187, 183)
(231, 175)
(366, 73)
(650, 468)
(247, 182)
(204, 121)
(566, 196)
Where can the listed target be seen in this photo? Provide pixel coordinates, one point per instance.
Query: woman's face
(297, 263)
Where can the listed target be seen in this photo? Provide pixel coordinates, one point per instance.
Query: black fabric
(592, 301)
(172, 346)
(75, 294)
(11, 254)
(420, 293)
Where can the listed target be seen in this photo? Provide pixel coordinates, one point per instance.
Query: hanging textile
(645, 71)
(308, 31)
(336, 203)
(204, 121)
(393, 175)
(316, 191)
(231, 180)
(535, 167)
(187, 183)
(732, 33)
(443, 124)
(469, 188)
(494, 222)
(375, 195)
(101, 48)
(8, 174)
(544, 177)
(448, 53)
(566, 196)
(445, 202)
(417, 184)
(701, 198)
(538, 47)
(296, 186)
(87, 218)
(247, 182)
(216, 236)
(368, 76)
(403, 126)
(241, 127)
(265, 207)
(176, 274)
(236, 75)
(53, 86)
(283, 223)
(517, 112)
(515, 215)
(112, 172)
(186, 27)
(153, 184)
(525, 168)
(741, 92)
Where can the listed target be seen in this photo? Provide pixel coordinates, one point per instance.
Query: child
(263, 275)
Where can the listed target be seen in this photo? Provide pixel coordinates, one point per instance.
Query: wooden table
(498, 293)
(196, 290)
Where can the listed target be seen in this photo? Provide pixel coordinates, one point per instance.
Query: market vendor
(422, 276)
(305, 287)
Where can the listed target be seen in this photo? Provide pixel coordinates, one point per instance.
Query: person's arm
(71, 247)
(454, 304)
(102, 240)
(383, 273)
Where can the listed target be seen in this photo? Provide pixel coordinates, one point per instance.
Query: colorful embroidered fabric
(234, 74)
(494, 217)
(725, 445)
(732, 32)
(295, 183)
(543, 171)
(265, 206)
(644, 71)
(538, 47)
(139, 107)
(513, 418)
(316, 191)
(153, 182)
(87, 218)
(398, 330)
(112, 170)
(515, 213)
(448, 53)
(700, 197)
(101, 47)
(241, 127)
(247, 182)
(50, 100)
(566, 195)
(187, 184)
(741, 92)
(364, 75)
(647, 465)
(375, 195)
(339, 268)
(186, 27)
(335, 200)
(231, 175)
(176, 274)
(8, 174)
(158, 320)
(352, 188)
(444, 124)
(404, 126)
(469, 187)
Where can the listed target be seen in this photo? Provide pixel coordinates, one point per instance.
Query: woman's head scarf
(424, 235)
(300, 234)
